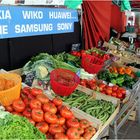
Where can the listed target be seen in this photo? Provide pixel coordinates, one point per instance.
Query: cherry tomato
(87, 135)
(50, 107)
(51, 118)
(61, 120)
(80, 130)
(60, 136)
(57, 101)
(37, 115)
(115, 88)
(43, 127)
(36, 91)
(31, 121)
(9, 108)
(27, 112)
(72, 123)
(91, 130)
(56, 129)
(84, 123)
(73, 133)
(18, 105)
(66, 113)
(26, 90)
(42, 98)
(35, 104)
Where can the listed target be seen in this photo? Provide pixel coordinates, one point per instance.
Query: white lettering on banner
(32, 14)
(64, 26)
(3, 29)
(5, 14)
(33, 28)
(60, 15)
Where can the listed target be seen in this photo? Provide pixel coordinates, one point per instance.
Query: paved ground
(131, 130)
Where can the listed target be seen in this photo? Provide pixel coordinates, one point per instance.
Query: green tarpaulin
(73, 4)
(125, 5)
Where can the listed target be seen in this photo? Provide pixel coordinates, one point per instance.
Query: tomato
(35, 104)
(27, 112)
(59, 107)
(87, 135)
(60, 136)
(18, 105)
(26, 90)
(93, 87)
(109, 90)
(73, 133)
(119, 95)
(51, 118)
(43, 127)
(31, 121)
(72, 123)
(101, 86)
(37, 115)
(114, 94)
(57, 101)
(50, 107)
(9, 108)
(84, 123)
(103, 92)
(83, 82)
(122, 90)
(49, 136)
(61, 120)
(92, 82)
(80, 130)
(31, 97)
(115, 88)
(56, 129)
(36, 91)
(66, 113)
(26, 102)
(91, 130)
(42, 98)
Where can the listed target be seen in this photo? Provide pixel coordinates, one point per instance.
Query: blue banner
(28, 21)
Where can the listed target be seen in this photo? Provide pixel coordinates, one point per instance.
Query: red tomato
(73, 133)
(42, 98)
(60, 136)
(114, 94)
(122, 90)
(43, 127)
(37, 115)
(119, 95)
(59, 107)
(91, 82)
(101, 86)
(31, 97)
(31, 121)
(93, 87)
(26, 90)
(66, 113)
(61, 120)
(51, 118)
(56, 129)
(72, 123)
(26, 102)
(50, 107)
(18, 105)
(27, 112)
(115, 88)
(87, 135)
(35, 104)
(103, 92)
(83, 82)
(80, 130)
(9, 108)
(57, 101)
(109, 90)
(36, 91)
(91, 130)
(84, 123)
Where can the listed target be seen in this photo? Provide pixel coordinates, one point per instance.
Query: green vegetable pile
(16, 127)
(100, 109)
(117, 79)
